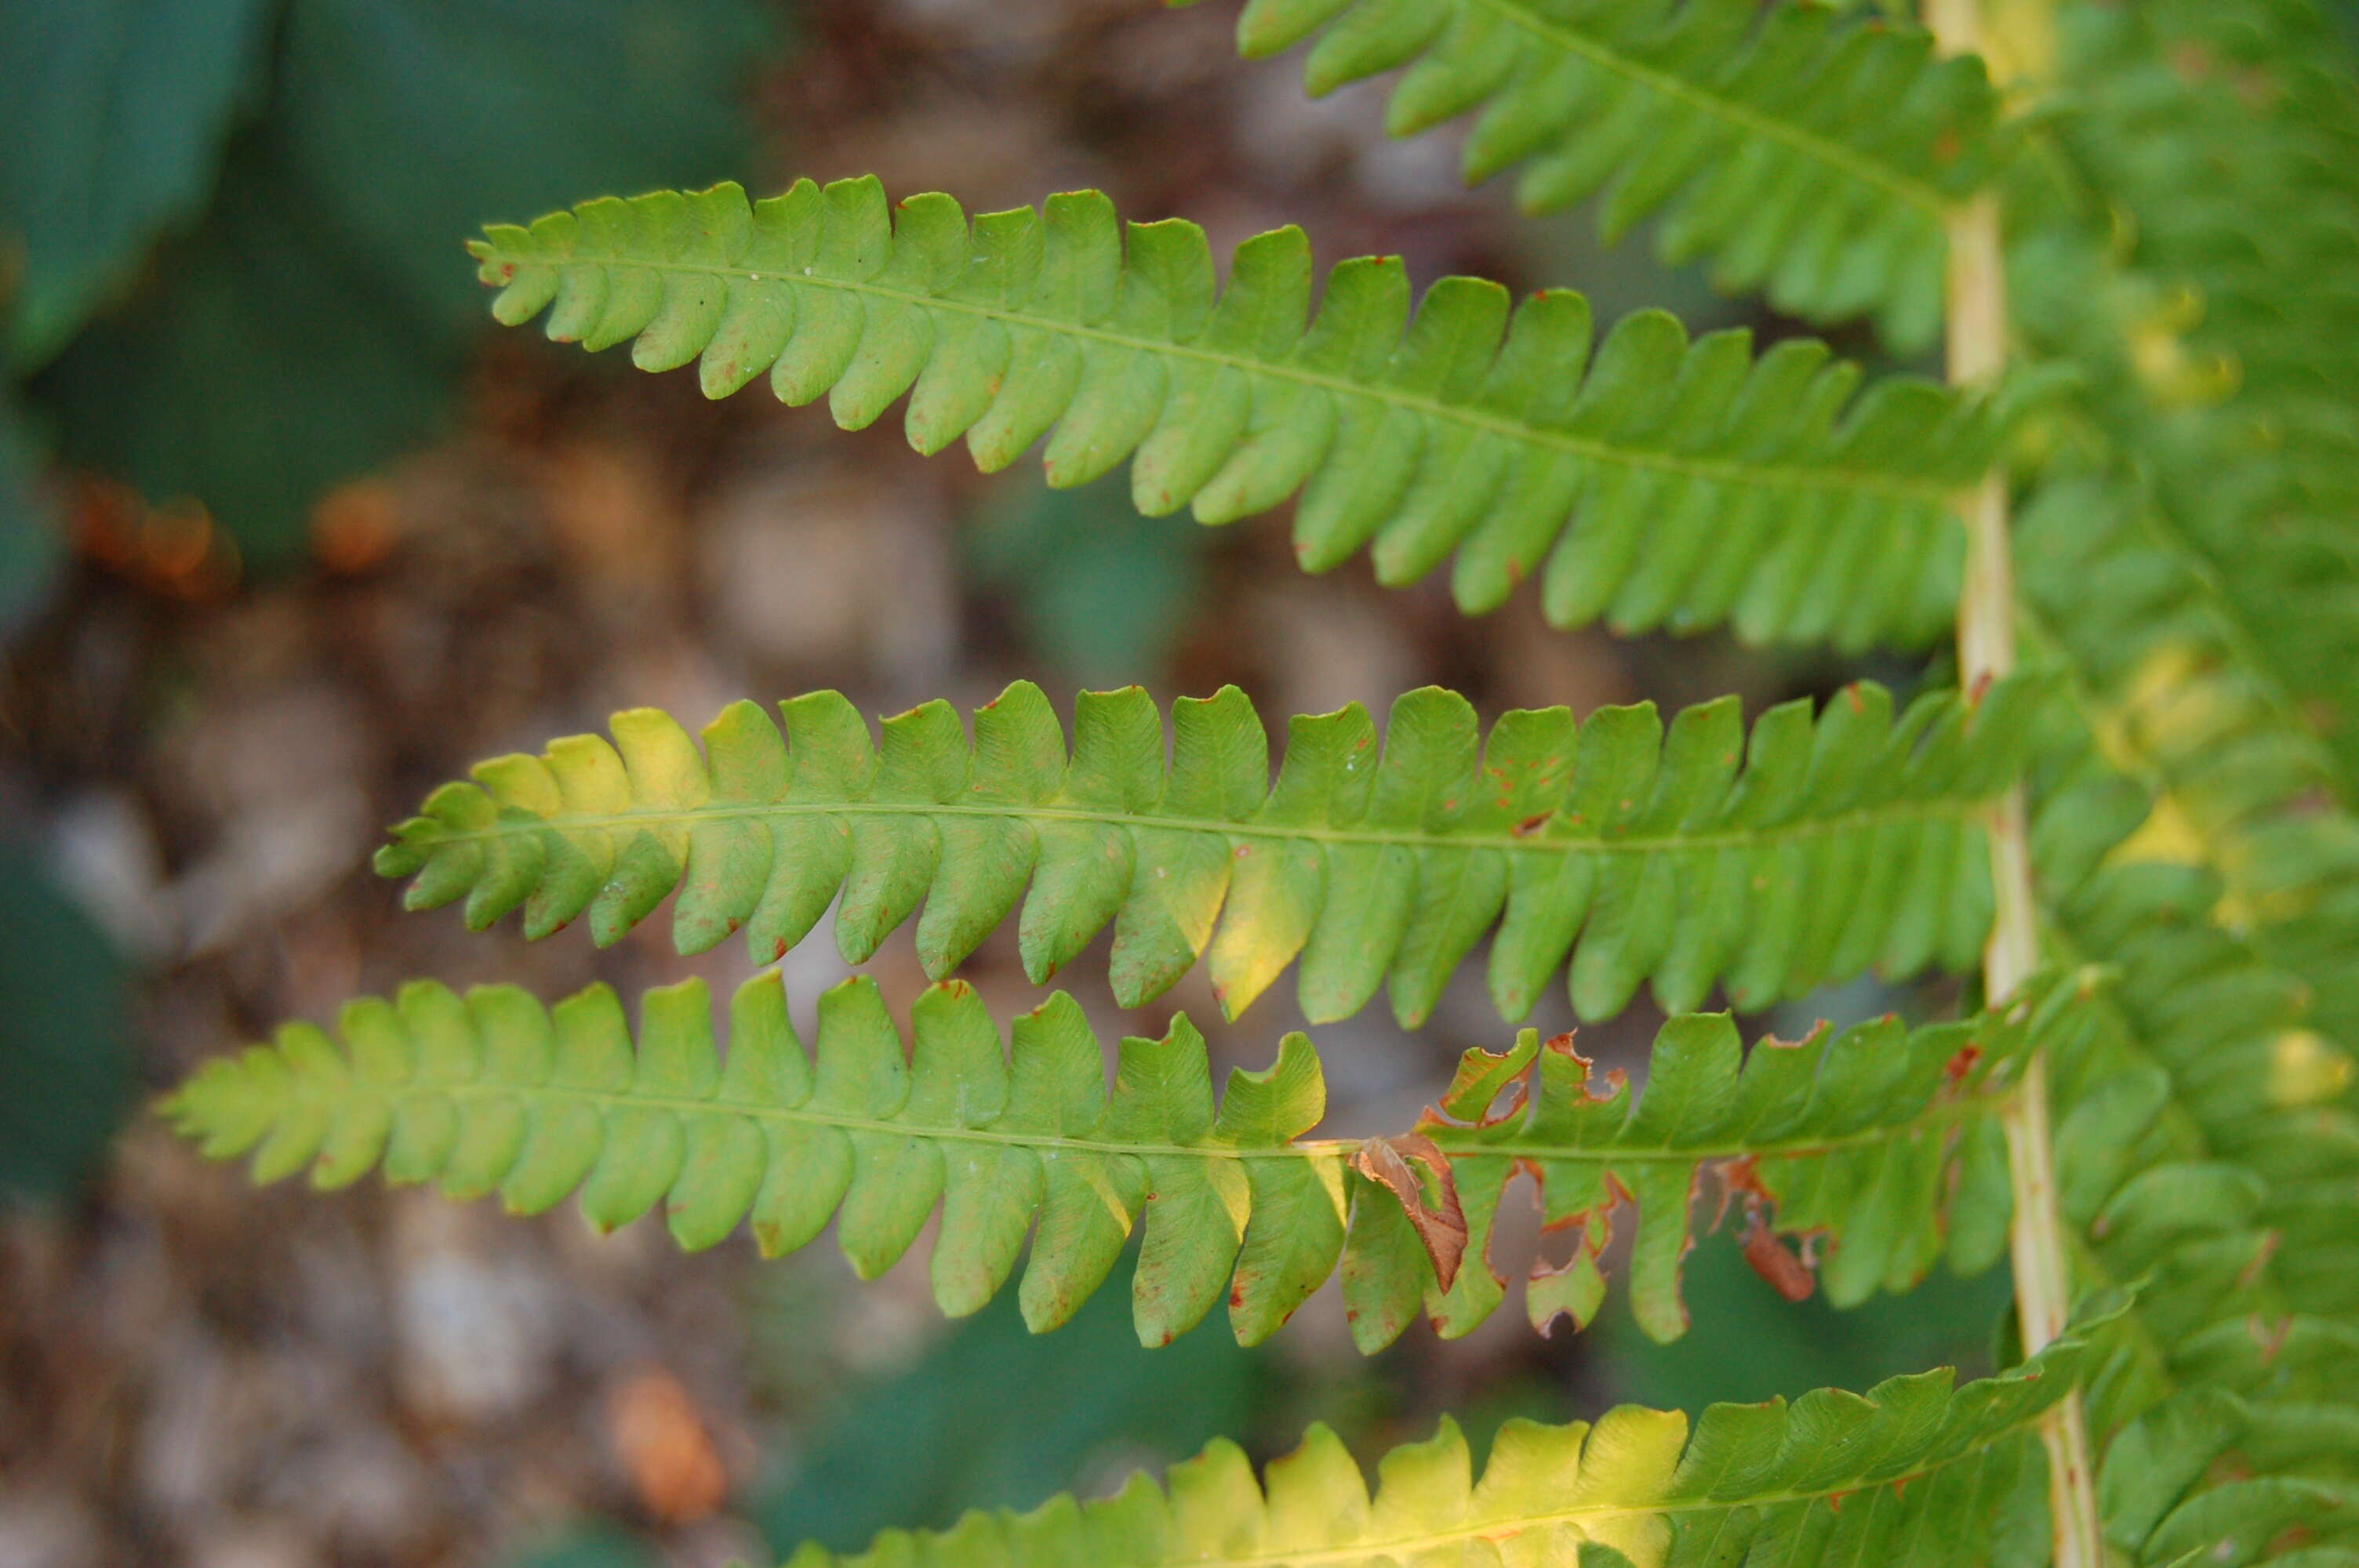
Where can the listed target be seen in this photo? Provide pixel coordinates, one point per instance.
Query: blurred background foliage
(230, 224)
(285, 537)
(65, 1047)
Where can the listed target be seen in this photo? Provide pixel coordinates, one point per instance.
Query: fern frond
(2205, 1151)
(1914, 1471)
(1805, 153)
(1641, 853)
(1845, 1138)
(1767, 495)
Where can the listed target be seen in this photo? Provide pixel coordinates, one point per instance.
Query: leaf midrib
(1926, 198)
(1712, 469)
(1537, 842)
(1939, 1114)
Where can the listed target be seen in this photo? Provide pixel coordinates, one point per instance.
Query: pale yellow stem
(2043, 1288)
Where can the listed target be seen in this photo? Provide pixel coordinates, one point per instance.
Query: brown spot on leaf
(1739, 1177)
(1955, 1071)
(1532, 825)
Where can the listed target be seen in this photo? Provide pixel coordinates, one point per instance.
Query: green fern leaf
(1914, 1471)
(1810, 155)
(1767, 497)
(489, 1092)
(1641, 853)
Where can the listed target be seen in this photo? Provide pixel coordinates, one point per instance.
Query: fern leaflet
(1640, 853)
(1768, 497)
(1848, 1138)
(1805, 153)
(1911, 1469)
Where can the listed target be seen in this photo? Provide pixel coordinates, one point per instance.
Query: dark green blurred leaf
(997, 1416)
(410, 124)
(309, 328)
(1745, 1344)
(1099, 591)
(112, 118)
(30, 544)
(65, 1057)
(266, 370)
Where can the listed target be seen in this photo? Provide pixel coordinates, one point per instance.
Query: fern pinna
(2140, 240)
(493, 1093)
(1684, 854)
(1769, 495)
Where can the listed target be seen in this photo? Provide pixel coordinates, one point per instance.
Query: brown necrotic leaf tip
(1430, 1201)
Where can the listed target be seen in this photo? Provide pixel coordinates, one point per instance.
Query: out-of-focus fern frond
(1804, 152)
(1865, 1141)
(2182, 701)
(2205, 582)
(1683, 856)
(2205, 1153)
(1913, 1471)
(1763, 492)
